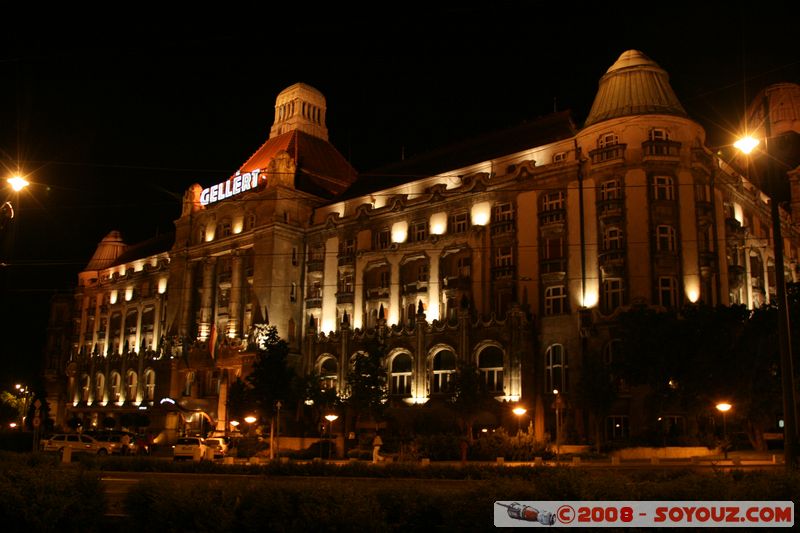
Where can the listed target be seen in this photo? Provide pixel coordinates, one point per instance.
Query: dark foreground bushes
(37, 495)
(291, 504)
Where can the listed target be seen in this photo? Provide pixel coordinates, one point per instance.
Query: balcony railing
(503, 272)
(662, 148)
(377, 293)
(316, 265)
(347, 259)
(314, 302)
(504, 226)
(457, 282)
(415, 287)
(345, 297)
(608, 153)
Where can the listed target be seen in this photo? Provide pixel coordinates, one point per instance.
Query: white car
(193, 448)
(77, 443)
(219, 446)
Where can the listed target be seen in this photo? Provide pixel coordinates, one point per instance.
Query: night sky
(112, 121)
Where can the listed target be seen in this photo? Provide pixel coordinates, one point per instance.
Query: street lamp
(784, 338)
(724, 408)
(519, 411)
(330, 418)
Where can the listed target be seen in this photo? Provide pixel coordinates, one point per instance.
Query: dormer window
(659, 134)
(607, 139)
(559, 157)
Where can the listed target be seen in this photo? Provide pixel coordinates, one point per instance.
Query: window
(490, 364)
(422, 272)
(100, 387)
(294, 256)
(610, 190)
(464, 265)
(617, 427)
(317, 253)
(444, 366)
(86, 385)
(348, 247)
(607, 139)
(665, 238)
(385, 279)
(401, 375)
(459, 223)
(328, 373)
(223, 229)
(503, 256)
(116, 383)
(611, 351)
(187, 384)
(149, 385)
(559, 157)
(553, 201)
(382, 239)
(612, 239)
(293, 292)
(315, 289)
(659, 134)
(132, 384)
(667, 291)
(249, 221)
(555, 369)
(419, 231)
(553, 254)
(612, 294)
(555, 300)
(663, 188)
(702, 192)
(345, 282)
(503, 213)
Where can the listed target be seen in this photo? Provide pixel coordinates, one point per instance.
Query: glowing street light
(519, 411)
(18, 183)
(330, 418)
(746, 144)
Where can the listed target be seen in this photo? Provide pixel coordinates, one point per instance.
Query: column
(186, 303)
(235, 305)
(207, 301)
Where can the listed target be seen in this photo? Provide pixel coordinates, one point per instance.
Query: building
(514, 252)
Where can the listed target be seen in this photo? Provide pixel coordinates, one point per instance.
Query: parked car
(115, 443)
(77, 443)
(189, 448)
(219, 446)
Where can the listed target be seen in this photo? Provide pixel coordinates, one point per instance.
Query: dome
(109, 249)
(634, 85)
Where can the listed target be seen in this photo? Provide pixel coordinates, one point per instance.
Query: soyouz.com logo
(644, 514)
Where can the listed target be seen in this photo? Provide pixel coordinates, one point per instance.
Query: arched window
(86, 386)
(444, 366)
(132, 383)
(401, 374)
(328, 373)
(149, 385)
(99, 387)
(490, 363)
(115, 386)
(555, 368)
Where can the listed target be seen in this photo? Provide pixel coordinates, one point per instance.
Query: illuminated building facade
(514, 252)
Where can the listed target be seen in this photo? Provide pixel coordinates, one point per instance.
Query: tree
(596, 393)
(469, 398)
(272, 379)
(12, 408)
(366, 384)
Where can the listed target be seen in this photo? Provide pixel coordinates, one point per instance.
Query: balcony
(347, 259)
(316, 265)
(504, 226)
(345, 297)
(662, 149)
(314, 302)
(457, 282)
(552, 217)
(550, 266)
(90, 311)
(612, 262)
(503, 272)
(377, 293)
(607, 209)
(415, 287)
(608, 153)
(736, 275)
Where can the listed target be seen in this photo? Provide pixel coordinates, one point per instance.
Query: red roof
(321, 169)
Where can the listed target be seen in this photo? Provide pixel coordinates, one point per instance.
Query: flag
(212, 347)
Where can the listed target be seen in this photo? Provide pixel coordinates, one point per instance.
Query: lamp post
(557, 407)
(249, 419)
(746, 145)
(723, 408)
(520, 412)
(330, 418)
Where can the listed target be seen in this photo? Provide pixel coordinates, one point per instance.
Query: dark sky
(113, 120)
